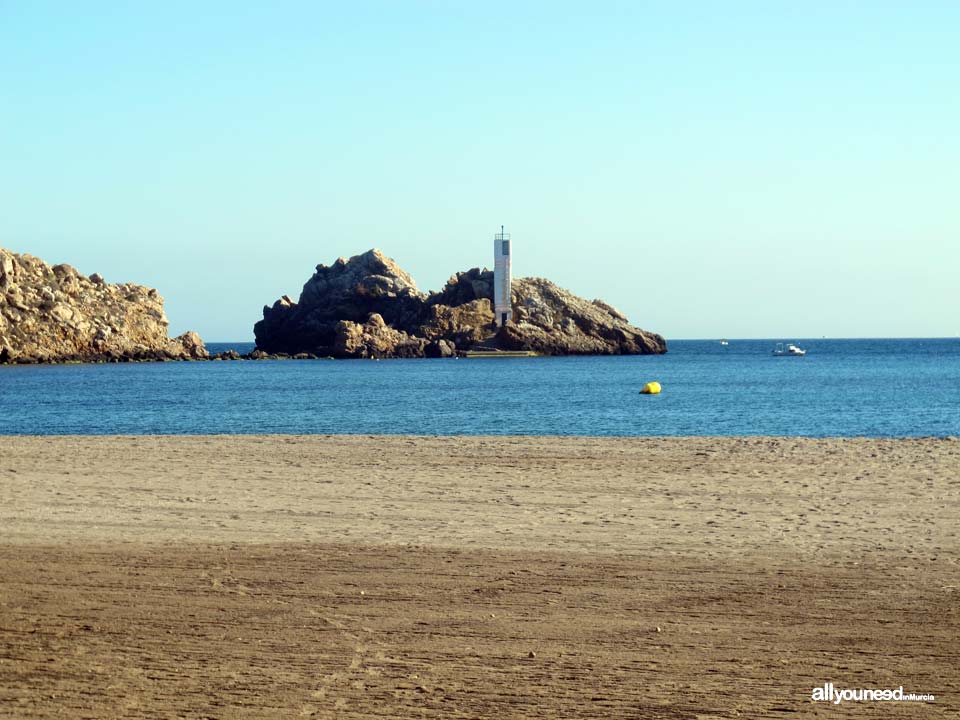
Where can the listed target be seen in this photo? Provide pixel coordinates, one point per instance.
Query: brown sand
(350, 577)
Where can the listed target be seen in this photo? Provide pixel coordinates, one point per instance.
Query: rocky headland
(56, 314)
(368, 307)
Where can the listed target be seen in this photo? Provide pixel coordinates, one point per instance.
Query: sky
(735, 169)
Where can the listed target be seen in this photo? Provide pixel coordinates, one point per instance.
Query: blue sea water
(879, 388)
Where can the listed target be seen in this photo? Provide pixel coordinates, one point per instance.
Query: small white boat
(788, 350)
(724, 342)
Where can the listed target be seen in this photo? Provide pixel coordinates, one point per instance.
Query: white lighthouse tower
(502, 309)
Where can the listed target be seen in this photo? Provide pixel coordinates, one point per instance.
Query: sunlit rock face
(56, 314)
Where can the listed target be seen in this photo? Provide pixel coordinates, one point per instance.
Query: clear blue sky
(738, 169)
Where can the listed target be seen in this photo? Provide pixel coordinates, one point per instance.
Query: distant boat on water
(788, 350)
(724, 342)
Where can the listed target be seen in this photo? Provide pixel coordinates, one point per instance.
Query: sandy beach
(397, 576)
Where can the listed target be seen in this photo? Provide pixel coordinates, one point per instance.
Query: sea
(841, 388)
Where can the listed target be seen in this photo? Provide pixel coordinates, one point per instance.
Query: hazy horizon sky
(740, 169)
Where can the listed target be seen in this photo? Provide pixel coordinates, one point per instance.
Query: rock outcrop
(549, 320)
(374, 339)
(349, 290)
(56, 314)
(463, 325)
(368, 307)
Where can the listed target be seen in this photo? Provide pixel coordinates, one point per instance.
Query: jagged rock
(465, 287)
(55, 314)
(189, 345)
(368, 307)
(348, 290)
(440, 349)
(375, 339)
(549, 320)
(463, 325)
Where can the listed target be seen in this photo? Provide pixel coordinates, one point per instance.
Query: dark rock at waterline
(227, 355)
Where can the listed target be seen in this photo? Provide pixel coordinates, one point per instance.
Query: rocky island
(368, 307)
(56, 314)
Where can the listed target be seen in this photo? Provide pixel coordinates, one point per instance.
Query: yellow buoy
(651, 388)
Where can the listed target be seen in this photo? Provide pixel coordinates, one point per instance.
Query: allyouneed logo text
(829, 693)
